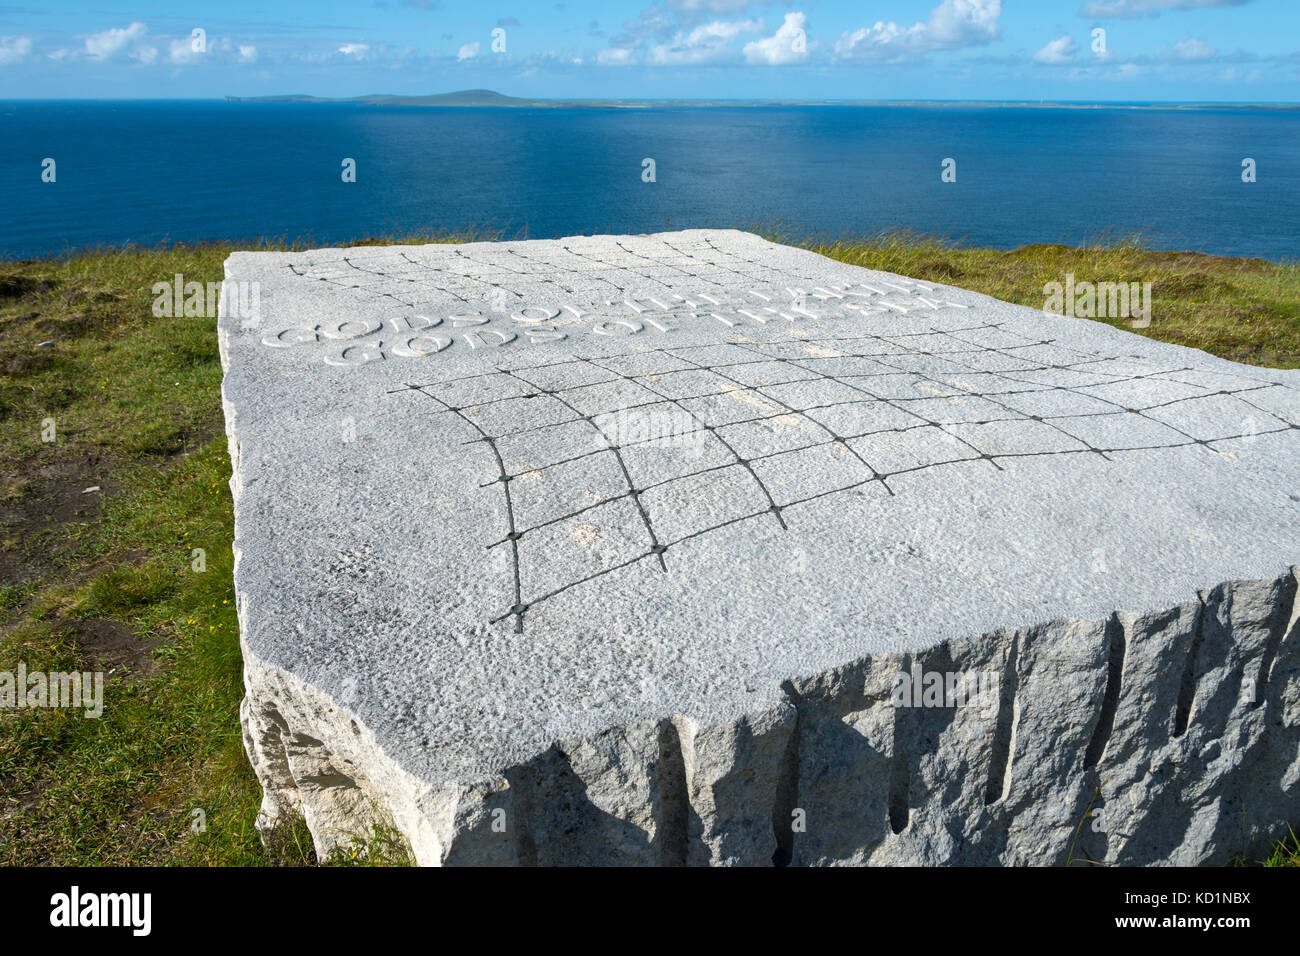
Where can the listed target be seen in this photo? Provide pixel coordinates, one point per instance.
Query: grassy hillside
(106, 579)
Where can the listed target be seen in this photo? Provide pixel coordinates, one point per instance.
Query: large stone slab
(613, 549)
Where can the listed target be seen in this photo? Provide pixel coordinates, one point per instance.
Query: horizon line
(900, 101)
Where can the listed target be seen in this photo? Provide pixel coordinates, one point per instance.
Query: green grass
(1286, 853)
(135, 404)
(136, 407)
(1246, 310)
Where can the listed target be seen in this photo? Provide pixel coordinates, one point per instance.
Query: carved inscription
(416, 335)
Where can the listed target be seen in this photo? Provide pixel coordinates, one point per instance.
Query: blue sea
(144, 171)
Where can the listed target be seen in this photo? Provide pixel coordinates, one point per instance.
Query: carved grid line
(894, 352)
(659, 548)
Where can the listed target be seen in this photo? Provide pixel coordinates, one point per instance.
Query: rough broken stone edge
(674, 791)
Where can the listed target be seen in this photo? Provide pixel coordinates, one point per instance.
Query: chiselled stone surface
(613, 550)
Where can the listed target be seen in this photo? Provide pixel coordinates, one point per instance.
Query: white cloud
(614, 56)
(1193, 49)
(1130, 9)
(704, 44)
(118, 43)
(1233, 75)
(134, 42)
(953, 24)
(468, 51)
(722, 30)
(655, 38)
(958, 23)
(182, 51)
(1060, 50)
(357, 51)
(788, 45)
(651, 22)
(715, 7)
(14, 49)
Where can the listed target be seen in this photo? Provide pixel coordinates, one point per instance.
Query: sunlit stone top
(492, 494)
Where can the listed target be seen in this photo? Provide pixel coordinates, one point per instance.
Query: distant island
(475, 98)
(490, 98)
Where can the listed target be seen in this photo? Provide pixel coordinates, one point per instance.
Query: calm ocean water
(144, 171)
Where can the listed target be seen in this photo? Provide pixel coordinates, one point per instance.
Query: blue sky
(1199, 50)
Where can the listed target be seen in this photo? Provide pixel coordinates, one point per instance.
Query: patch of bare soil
(35, 503)
(104, 645)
